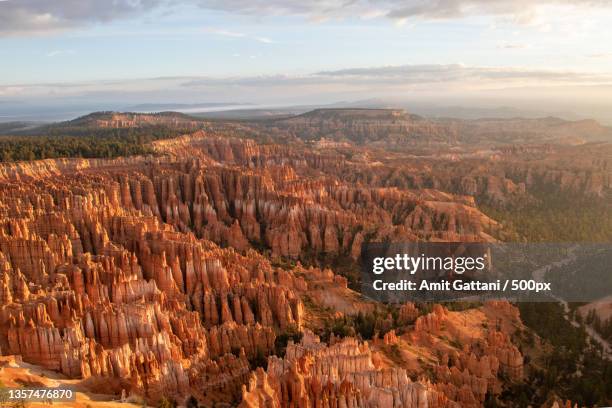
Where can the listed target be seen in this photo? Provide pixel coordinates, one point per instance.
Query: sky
(73, 55)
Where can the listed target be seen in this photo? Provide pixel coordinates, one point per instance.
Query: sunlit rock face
(158, 273)
(346, 373)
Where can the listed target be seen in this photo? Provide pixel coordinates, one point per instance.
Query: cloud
(459, 73)
(264, 40)
(521, 11)
(234, 34)
(224, 33)
(19, 17)
(57, 53)
(440, 85)
(429, 79)
(601, 55)
(512, 46)
(23, 17)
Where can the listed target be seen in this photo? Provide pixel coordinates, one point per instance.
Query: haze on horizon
(64, 57)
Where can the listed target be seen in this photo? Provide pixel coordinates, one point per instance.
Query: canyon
(211, 268)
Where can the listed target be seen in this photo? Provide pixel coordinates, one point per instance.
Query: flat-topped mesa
(393, 129)
(117, 120)
(389, 127)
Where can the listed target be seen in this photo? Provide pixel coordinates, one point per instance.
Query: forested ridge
(83, 142)
(556, 217)
(572, 368)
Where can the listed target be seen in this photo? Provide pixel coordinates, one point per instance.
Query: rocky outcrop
(474, 370)
(340, 375)
(94, 284)
(157, 274)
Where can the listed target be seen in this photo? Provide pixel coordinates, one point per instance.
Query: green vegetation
(341, 264)
(570, 367)
(573, 369)
(259, 359)
(280, 344)
(556, 217)
(166, 403)
(83, 142)
(588, 273)
(82, 137)
(365, 325)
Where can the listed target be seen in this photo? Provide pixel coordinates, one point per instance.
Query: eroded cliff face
(342, 375)
(95, 285)
(381, 127)
(162, 317)
(350, 373)
(118, 120)
(497, 161)
(142, 274)
(398, 129)
(296, 201)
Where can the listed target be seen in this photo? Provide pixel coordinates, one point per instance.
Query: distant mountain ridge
(110, 119)
(397, 127)
(363, 125)
(383, 127)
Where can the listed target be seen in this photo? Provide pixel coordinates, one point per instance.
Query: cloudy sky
(62, 54)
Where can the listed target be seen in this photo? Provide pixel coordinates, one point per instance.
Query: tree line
(83, 142)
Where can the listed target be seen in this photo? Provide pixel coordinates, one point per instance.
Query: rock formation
(151, 274)
(341, 375)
